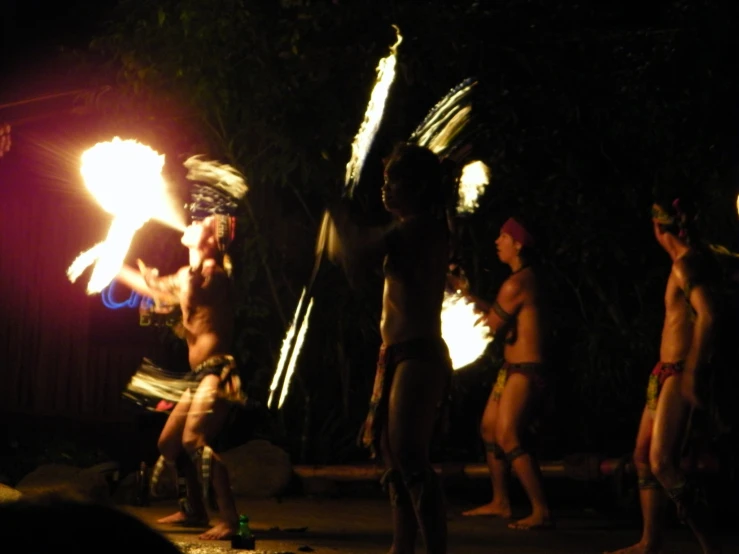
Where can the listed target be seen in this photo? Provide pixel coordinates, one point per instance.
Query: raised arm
(347, 242)
(147, 282)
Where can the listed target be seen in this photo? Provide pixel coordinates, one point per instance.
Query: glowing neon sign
(107, 296)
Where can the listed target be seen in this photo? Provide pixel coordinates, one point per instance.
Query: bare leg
(405, 525)
(170, 446)
(651, 496)
(516, 404)
(415, 395)
(500, 505)
(669, 431)
(204, 419)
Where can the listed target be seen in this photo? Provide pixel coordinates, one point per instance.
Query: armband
(501, 313)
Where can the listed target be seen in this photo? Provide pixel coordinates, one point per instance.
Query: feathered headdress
(217, 190)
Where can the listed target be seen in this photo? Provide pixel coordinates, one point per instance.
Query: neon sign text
(107, 296)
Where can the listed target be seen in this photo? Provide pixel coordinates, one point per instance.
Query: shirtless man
(414, 368)
(685, 352)
(203, 291)
(520, 318)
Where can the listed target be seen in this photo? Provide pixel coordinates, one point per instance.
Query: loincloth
(431, 350)
(661, 372)
(156, 389)
(535, 371)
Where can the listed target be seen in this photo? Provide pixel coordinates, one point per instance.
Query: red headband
(517, 232)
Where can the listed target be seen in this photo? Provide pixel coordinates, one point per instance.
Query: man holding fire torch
(519, 317)
(413, 369)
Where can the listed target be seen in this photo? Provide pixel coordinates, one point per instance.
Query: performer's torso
(207, 314)
(528, 337)
(677, 330)
(415, 276)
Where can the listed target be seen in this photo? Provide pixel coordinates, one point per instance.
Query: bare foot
(180, 518)
(492, 509)
(532, 523)
(638, 548)
(220, 532)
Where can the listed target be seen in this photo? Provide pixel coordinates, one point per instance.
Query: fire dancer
(686, 352)
(519, 317)
(414, 369)
(203, 291)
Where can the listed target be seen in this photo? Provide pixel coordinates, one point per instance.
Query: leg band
(182, 488)
(203, 460)
(677, 493)
(424, 490)
(392, 483)
(515, 453)
(685, 497)
(495, 449)
(413, 478)
(649, 482)
(156, 474)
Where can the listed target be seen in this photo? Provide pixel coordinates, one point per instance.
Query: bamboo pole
(581, 467)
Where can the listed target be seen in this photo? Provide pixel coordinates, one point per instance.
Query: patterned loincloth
(660, 373)
(536, 371)
(156, 389)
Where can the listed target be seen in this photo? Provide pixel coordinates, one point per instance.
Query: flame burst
(296, 352)
(475, 177)
(446, 120)
(125, 177)
(287, 344)
(372, 115)
(292, 344)
(290, 351)
(465, 338)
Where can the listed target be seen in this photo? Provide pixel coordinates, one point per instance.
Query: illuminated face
(398, 197)
(199, 235)
(659, 234)
(507, 248)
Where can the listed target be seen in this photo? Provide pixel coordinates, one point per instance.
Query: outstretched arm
(147, 282)
(498, 314)
(346, 241)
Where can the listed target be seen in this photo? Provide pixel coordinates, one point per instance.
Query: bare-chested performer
(414, 368)
(685, 356)
(520, 318)
(203, 291)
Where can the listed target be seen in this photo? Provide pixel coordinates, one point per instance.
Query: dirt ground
(362, 526)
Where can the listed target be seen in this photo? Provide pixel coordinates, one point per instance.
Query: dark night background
(587, 106)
